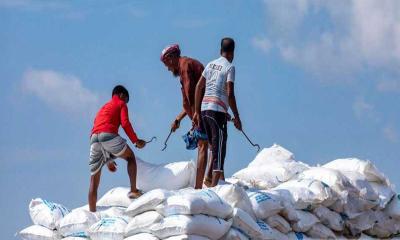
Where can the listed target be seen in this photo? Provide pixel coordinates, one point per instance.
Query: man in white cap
(189, 71)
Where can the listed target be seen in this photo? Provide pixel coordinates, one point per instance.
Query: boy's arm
(126, 124)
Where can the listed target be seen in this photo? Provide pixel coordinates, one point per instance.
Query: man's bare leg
(129, 156)
(216, 177)
(94, 185)
(208, 177)
(201, 163)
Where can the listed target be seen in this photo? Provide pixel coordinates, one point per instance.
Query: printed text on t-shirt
(216, 67)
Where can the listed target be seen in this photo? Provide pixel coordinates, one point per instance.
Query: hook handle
(253, 144)
(153, 138)
(166, 140)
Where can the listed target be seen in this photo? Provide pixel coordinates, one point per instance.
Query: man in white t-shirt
(211, 111)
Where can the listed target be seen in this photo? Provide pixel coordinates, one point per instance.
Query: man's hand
(112, 166)
(175, 125)
(140, 143)
(196, 119)
(228, 117)
(237, 123)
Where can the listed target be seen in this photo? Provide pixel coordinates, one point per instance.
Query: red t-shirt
(111, 116)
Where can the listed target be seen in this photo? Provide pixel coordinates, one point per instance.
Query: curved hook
(153, 138)
(166, 140)
(248, 139)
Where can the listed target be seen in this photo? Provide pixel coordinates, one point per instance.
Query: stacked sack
(271, 167)
(275, 197)
(54, 221)
(46, 217)
(345, 197)
(183, 214)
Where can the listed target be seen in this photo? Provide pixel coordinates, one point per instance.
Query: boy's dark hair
(227, 45)
(120, 89)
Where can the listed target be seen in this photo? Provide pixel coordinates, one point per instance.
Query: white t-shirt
(217, 74)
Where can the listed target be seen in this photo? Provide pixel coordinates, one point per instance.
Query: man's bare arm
(199, 94)
(232, 104)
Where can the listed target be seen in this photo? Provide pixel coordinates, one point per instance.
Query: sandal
(134, 195)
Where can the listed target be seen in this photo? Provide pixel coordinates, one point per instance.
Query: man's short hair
(227, 45)
(120, 89)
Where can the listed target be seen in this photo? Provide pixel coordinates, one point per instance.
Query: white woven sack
(112, 212)
(393, 207)
(203, 225)
(141, 223)
(303, 193)
(254, 229)
(275, 153)
(116, 197)
(279, 223)
(142, 236)
(305, 222)
(108, 229)
(77, 222)
(385, 193)
(170, 176)
(148, 201)
(234, 234)
(203, 201)
(364, 221)
(46, 213)
(333, 178)
(37, 232)
(264, 203)
(319, 231)
(363, 186)
(331, 219)
(366, 168)
(187, 237)
(298, 236)
(235, 196)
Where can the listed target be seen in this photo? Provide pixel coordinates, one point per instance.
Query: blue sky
(320, 78)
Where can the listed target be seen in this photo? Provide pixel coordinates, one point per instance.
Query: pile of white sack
(275, 197)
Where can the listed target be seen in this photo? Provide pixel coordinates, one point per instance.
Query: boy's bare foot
(136, 194)
(112, 166)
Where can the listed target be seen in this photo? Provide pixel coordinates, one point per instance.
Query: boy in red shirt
(106, 145)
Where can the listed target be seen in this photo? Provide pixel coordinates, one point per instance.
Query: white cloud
(60, 91)
(335, 40)
(34, 4)
(363, 109)
(390, 133)
(388, 86)
(137, 12)
(63, 9)
(261, 43)
(192, 23)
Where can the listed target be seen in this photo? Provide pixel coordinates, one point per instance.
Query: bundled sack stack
(275, 197)
(343, 198)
